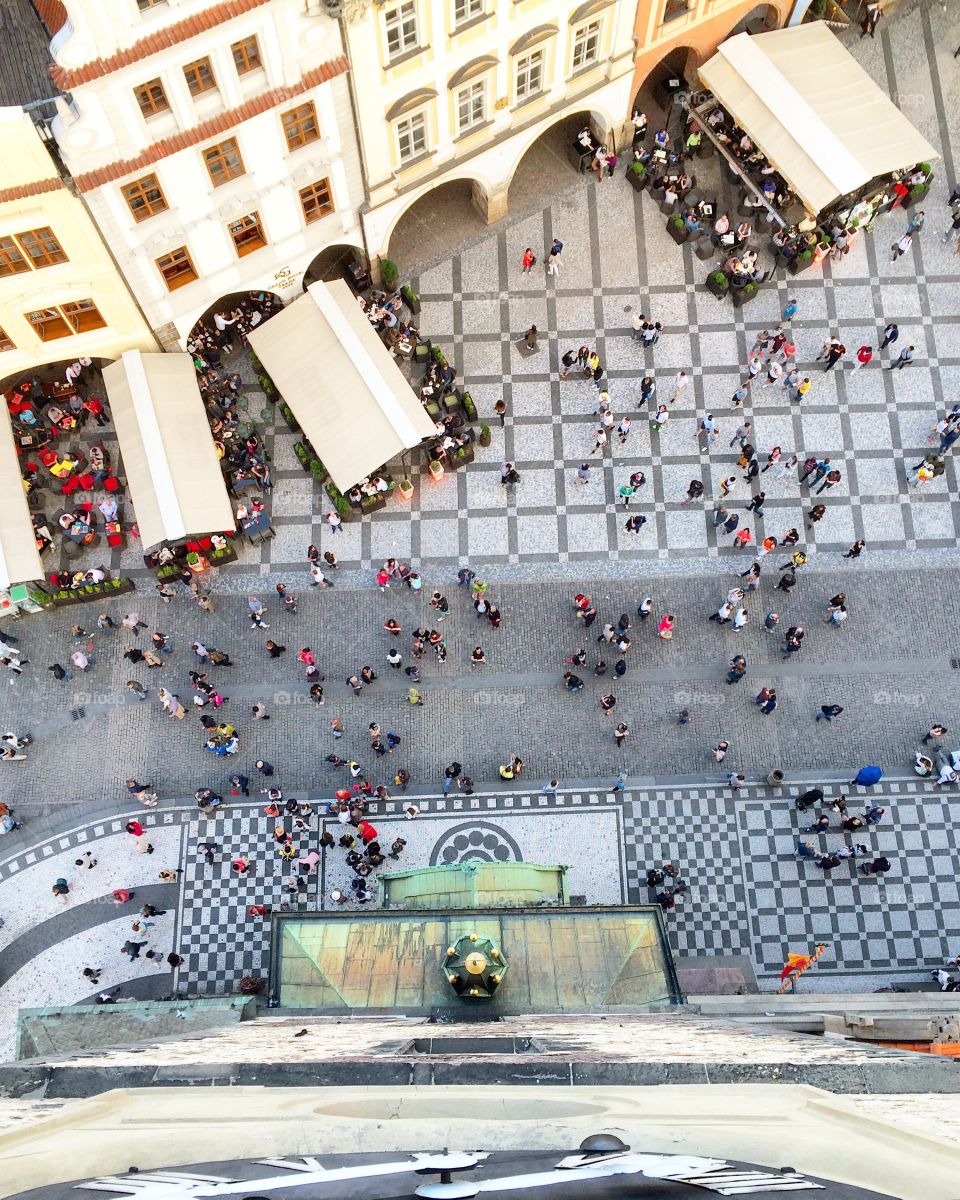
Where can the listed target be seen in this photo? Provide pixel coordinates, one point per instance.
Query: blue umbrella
(868, 776)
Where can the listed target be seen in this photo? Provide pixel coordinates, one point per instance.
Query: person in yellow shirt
(803, 387)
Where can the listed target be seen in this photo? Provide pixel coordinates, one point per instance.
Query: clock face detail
(585, 1174)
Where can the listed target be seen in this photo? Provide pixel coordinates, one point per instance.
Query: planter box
(410, 299)
(469, 408)
(462, 457)
(716, 289)
(219, 558)
(97, 591)
(741, 296)
(704, 249)
(796, 266)
(290, 419)
(679, 235)
(304, 456)
(371, 504)
(637, 181)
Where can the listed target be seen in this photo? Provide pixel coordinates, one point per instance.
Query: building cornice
(24, 191)
(162, 39)
(210, 128)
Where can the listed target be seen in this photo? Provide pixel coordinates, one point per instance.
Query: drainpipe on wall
(354, 112)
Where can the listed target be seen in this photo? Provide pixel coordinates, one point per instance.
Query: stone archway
(268, 303)
(760, 19)
(438, 220)
(334, 262)
(651, 94)
(548, 162)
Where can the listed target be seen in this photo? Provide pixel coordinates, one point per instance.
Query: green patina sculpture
(474, 967)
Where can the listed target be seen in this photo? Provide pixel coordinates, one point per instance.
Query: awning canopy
(19, 557)
(813, 110)
(342, 385)
(169, 457)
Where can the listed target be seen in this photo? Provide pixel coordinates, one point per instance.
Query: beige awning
(813, 110)
(341, 383)
(168, 454)
(19, 557)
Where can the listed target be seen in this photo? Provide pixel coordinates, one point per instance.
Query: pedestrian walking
(827, 712)
(864, 356)
(856, 549)
(904, 359)
(681, 382)
(901, 246)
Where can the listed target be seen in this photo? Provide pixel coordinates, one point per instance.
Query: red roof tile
(180, 31)
(23, 190)
(52, 14)
(199, 133)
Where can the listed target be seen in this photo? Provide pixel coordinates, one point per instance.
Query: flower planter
(638, 180)
(405, 489)
(436, 470)
(483, 437)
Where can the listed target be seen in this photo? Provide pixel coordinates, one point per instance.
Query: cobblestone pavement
(892, 666)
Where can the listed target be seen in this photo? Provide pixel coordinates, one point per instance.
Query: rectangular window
(48, 323)
(5, 342)
(176, 268)
(411, 137)
(316, 200)
(144, 197)
(586, 45)
(471, 106)
(199, 76)
(401, 24)
(247, 234)
(224, 162)
(529, 74)
(146, 5)
(300, 125)
(83, 315)
(152, 98)
(246, 55)
(466, 10)
(675, 8)
(12, 261)
(41, 247)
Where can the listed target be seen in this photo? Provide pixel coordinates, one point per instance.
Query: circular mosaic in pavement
(474, 841)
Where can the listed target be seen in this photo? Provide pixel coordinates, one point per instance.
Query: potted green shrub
(803, 260)
(469, 408)
(745, 294)
(637, 176)
(389, 274)
(718, 284)
(677, 228)
(287, 414)
(462, 455)
(303, 455)
(405, 488)
(483, 436)
(410, 299)
(438, 356)
(318, 470)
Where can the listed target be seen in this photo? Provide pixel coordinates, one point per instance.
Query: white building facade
(214, 145)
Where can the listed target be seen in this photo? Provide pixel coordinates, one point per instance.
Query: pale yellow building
(61, 296)
(449, 90)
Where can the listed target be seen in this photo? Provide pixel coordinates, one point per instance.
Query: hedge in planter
(438, 356)
(219, 558)
(718, 285)
(483, 437)
(637, 176)
(389, 274)
(803, 260)
(469, 408)
(287, 414)
(339, 501)
(318, 470)
(745, 294)
(410, 298)
(304, 457)
(677, 228)
(92, 591)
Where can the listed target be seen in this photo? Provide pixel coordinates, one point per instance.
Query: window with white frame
(466, 10)
(411, 136)
(401, 25)
(471, 106)
(586, 45)
(529, 74)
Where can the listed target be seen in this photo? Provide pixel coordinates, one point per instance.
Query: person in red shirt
(864, 355)
(367, 832)
(528, 260)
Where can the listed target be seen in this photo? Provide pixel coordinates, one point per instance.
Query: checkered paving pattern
(748, 893)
